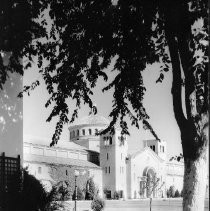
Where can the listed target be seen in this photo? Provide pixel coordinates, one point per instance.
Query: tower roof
(92, 120)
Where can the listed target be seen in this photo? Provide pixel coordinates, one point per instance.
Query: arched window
(83, 132)
(90, 132)
(77, 132)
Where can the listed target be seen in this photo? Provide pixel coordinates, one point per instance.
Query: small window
(83, 132)
(105, 169)
(96, 131)
(109, 169)
(163, 148)
(110, 140)
(153, 148)
(107, 156)
(39, 170)
(77, 132)
(90, 132)
(66, 172)
(73, 134)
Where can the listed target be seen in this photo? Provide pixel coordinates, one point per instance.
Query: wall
(11, 117)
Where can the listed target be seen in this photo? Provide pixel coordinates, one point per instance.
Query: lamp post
(76, 174)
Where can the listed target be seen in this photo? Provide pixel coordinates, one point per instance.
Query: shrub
(116, 195)
(97, 204)
(80, 194)
(30, 195)
(177, 194)
(181, 194)
(91, 189)
(171, 191)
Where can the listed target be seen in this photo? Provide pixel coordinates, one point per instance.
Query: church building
(105, 158)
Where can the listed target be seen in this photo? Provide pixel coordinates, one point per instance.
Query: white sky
(157, 101)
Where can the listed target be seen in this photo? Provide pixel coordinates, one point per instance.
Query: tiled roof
(92, 120)
(46, 142)
(58, 161)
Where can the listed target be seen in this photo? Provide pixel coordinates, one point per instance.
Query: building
(106, 159)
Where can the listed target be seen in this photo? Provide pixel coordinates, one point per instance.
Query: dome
(93, 120)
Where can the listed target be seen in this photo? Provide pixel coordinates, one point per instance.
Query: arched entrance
(147, 183)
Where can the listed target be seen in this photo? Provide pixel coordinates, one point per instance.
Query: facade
(105, 158)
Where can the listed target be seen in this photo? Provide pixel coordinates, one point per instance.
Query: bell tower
(159, 147)
(113, 153)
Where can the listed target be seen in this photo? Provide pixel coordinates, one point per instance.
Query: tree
(171, 191)
(30, 195)
(177, 194)
(151, 185)
(133, 33)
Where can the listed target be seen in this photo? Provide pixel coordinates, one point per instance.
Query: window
(110, 140)
(107, 156)
(70, 135)
(153, 148)
(73, 134)
(96, 131)
(66, 172)
(163, 148)
(83, 132)
(109, 169)
(90, 132)
(105, 169)
(39, 170)
(160, 148)
(77, 132)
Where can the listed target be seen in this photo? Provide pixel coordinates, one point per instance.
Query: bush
(30, 195)
(80, 194)
(91, 190)
(181, 194)
(171, 192)
(97, 204)
(177, 194)
(116, 195)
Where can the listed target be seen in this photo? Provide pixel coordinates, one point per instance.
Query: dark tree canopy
(83, 37)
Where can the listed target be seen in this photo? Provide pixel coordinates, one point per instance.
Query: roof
(58, 161)
(92, 120)
(132, 156)
(46, 142)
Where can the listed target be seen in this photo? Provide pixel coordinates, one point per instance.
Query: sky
(157, 101)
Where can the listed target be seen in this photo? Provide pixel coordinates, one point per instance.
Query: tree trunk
(195, 179)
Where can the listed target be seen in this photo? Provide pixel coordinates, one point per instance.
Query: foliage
(171, 192)
(116, 195)
(17, 32)
(97, 204)
(177, 194)
(91, 189)
(64, 178)
(80, 194)
(32, 196)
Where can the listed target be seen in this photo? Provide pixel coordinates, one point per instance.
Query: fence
(9, 170)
